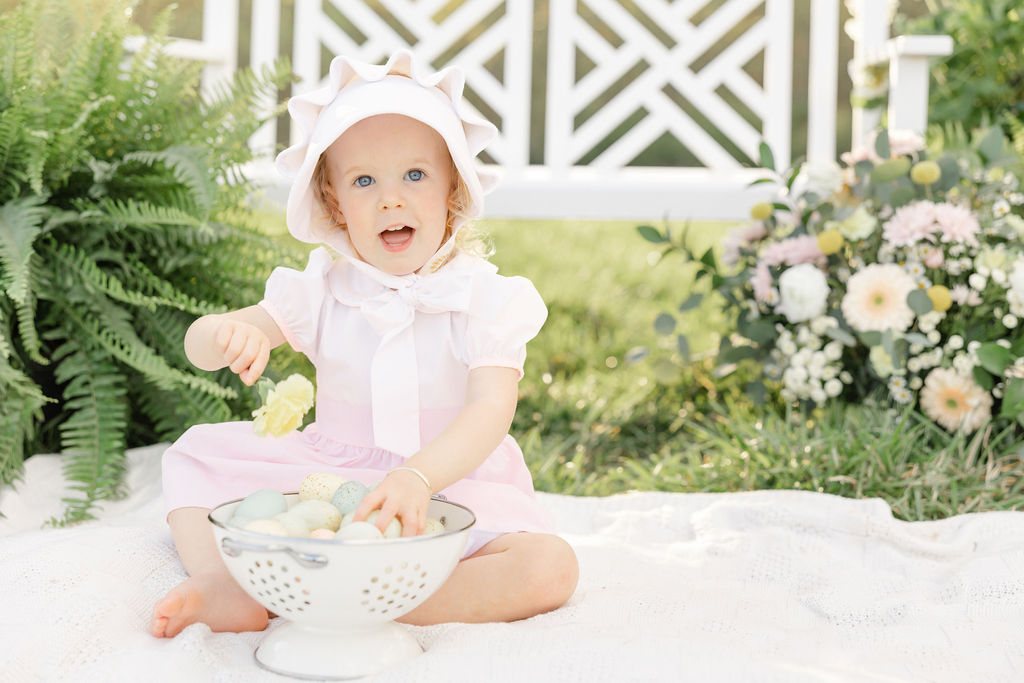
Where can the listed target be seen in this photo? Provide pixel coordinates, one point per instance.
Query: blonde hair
(469, 240)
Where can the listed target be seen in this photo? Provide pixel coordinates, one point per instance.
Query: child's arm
(241, 340)
(491, 397)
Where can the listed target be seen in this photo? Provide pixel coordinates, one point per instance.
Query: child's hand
(401, 494)
(244, 347)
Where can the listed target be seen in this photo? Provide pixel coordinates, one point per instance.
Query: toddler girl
(418, 347)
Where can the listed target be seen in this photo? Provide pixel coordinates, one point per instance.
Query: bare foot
(213, 599)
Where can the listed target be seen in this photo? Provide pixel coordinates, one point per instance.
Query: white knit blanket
(760, 586)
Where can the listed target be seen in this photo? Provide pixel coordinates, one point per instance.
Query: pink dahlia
(955, 401)
(910, 224)
(794, 251)
(762, 284)
(956, 223)
(876, 299)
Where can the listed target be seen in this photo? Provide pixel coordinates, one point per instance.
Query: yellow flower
(830, 241)
(941, 298)
(925, 173)
(285, 406)
(761, 211)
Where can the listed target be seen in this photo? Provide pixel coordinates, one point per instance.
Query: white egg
(267, 526)
(359, 530)
(318, 514)
(296, 525)
(392, 530)
(320, 486)
(321, 534)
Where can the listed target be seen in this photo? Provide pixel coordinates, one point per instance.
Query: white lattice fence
(714, 75)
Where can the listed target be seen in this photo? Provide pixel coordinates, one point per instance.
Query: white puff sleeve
(506, 313)
(294, 299)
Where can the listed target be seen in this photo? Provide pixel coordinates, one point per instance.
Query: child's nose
(390, 198)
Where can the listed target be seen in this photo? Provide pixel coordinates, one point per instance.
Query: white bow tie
(394, 375)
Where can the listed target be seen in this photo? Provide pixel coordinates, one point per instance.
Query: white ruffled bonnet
(357, 90)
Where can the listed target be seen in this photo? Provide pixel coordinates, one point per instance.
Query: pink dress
(391, 372)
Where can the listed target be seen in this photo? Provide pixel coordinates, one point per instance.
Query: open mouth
(397, 237)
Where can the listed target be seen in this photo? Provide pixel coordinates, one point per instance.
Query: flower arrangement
(900, 270)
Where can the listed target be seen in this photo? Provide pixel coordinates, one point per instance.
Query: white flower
(858, 225)
(934, 337)
(833, 387)
(977, 281)
(955, 342)
(845, 377)
(902, 396)
(914, 365)
(803, 291)
(1000, 208)
(881, 361)
(916, 383)
(1009, 321)
(833, 350)
(823, 179)
(876, 299)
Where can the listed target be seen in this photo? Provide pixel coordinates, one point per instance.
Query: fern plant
(123, 216)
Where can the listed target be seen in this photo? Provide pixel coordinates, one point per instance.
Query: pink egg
(322, 534)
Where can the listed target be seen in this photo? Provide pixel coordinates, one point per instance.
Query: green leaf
(766, 156)
(264, 385)
(683, 347)
(708, 258)
(901, 196)
(20, 223)
(991, 146)
(870, 338)
(919, 302)
(882, 147)
(889, 343)
(738, 353)
(950, 174)
(1013, 398)
(651, 234)
(917, 338)
(993, 358)
(841, 335)
(692, 301)
(890, 170)
(758, 331)
(665, 324)
(756, 391)
(984, 380)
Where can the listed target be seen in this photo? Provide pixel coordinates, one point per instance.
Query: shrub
(122, 217)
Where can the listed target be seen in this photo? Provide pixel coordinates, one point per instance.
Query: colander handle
(233, 548)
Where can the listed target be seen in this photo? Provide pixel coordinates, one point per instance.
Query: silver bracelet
(426, 482)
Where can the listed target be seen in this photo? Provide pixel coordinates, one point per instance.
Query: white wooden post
(263, 51)
(220, 29)
(822, 81)
(870, 31)
(909, 61)
(778, 80)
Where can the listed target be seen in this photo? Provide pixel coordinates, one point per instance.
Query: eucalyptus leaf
(919, 302)
(683, 347)
(993, 358)
(766, 156)
(917, 338)
(890, 170)
(665, 324)
(991, 146)
(841, 335)
(1013, 398)
(692, 301)
(651, 234)
(756, 392)
(882, 147)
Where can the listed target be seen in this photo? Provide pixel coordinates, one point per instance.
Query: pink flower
(910, 224)
(934, 258)
(762, 284)
(738, 238)
(956, 223)
(794, 251)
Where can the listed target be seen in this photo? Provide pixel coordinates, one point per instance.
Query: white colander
(340, 597)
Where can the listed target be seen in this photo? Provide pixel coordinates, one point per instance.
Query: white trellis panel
(511, 32)
(666, 66)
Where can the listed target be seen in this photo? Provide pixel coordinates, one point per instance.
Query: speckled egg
(434, 526)
(348, 496)
(267, 526)
(262, 504)
(320, 486)
(359, 530)
(321, 534)
(318, 514)
(296, 525)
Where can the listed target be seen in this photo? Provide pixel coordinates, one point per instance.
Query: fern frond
(189, 168)
(168, 293)
(140, 214)
(130, 350)
(21, 403)
(27, 331)
(92, 436)
(20, 223)
(1016, 127)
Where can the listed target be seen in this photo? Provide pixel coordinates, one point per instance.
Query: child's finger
(260, 363)
(369, 503)
(246, 356)
(388, 511)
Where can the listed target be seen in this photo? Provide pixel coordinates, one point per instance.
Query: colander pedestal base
(318, 653)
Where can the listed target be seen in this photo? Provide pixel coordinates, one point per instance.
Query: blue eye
(364, 181)
(414, 175)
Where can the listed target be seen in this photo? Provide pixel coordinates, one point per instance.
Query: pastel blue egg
(348, 496)
(262, 504)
